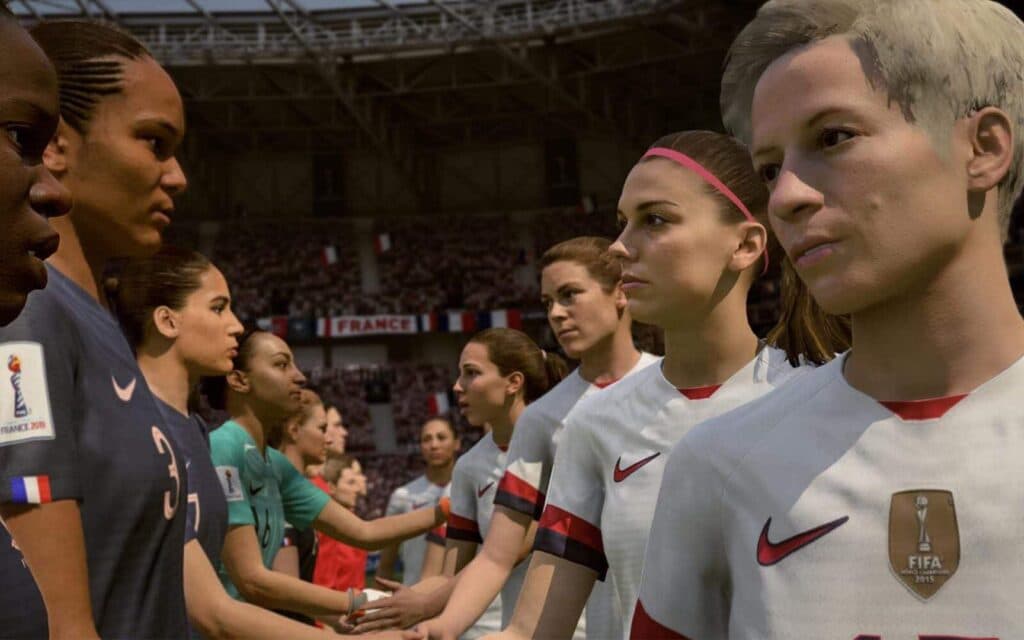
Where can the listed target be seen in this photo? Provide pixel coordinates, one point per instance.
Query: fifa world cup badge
(20, 409)
(924, 540)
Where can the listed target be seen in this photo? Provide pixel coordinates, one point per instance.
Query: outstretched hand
(402, 610)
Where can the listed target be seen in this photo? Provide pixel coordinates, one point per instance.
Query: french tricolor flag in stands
(31, 490)
(507, 318)
(382, 243)
(428, 322)
(323, 327)
(439, 404)
(461, 321)
(330, 255)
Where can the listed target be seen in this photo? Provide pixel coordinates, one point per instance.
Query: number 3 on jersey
(163, 446)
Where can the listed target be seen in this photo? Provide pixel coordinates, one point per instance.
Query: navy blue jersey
(207, 518)
(77, 422)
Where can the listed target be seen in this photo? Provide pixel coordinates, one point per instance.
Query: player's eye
(654, 220)
(769, 173)
(833, 137)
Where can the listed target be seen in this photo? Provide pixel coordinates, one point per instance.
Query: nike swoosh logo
(480, 492)
(769, 553)
(126, 392)
(253, 489)
(621, 474)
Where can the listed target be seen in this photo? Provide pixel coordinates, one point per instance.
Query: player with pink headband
(692, 244)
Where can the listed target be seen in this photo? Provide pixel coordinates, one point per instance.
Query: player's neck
(946, 339)
(610, 359)
(314, 471)
(166, 376)
(501, 427)
(709, 350)
(442, 475)
(248, 420)
(294, 457)
(81, 267)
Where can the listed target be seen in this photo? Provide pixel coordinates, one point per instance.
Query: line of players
(865, 496)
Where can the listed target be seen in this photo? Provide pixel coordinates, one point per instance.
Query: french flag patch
(31, 490)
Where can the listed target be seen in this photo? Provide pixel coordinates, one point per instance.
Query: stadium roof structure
(405, 77)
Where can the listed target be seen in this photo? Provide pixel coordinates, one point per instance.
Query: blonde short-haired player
(880, 495)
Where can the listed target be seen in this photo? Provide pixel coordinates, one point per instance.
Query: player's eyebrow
(809, 123)
(647, 204)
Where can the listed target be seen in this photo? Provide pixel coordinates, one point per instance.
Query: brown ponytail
(511, 350)
(804, 331)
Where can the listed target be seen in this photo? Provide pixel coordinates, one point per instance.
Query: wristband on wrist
(356, 601)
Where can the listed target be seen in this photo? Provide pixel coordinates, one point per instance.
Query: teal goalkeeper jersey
(262, 491)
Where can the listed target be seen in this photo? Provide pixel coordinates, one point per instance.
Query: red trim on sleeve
(700, 393)
(573, 527)
(460, 528)
(519, 495)
(647, 628)
(511, 483)
(922, 409)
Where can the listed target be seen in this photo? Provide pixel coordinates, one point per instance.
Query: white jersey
(819, 512)
(474, 484)
(417, 494)
(609, 465)
(531, 456)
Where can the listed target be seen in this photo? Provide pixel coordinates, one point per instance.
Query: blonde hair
(939, 60)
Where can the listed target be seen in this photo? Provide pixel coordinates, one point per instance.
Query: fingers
(382, 624)
(391, 584)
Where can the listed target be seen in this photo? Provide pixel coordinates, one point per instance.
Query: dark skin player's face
(29, 194)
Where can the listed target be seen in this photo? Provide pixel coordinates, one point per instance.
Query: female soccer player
(501, 371)
(878, 496)
(29, 194)
(175, 309)
(95, 460)
(303, 440)
(691, 247)
(582, 291)
(438, 445)
(264, 489)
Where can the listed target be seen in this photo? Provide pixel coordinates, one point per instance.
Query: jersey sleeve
(398, 503)
(438, 535)
(39, 353)
(462, 522)
(301, 499)
(228, 455)
(685, 573)
(570, 526)
(530, 457)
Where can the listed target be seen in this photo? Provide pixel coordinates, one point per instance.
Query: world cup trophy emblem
(20, 409)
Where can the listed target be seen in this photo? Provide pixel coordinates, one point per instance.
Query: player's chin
(836, 296)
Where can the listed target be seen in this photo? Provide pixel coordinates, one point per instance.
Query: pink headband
(707, 176)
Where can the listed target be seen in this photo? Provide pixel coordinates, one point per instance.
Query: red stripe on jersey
(520, 488)
(518, 495)
(607, 383)
(700, 393)
(44, 489)
(564, 523)
(922, 409)
(460, 528)
(647, 628)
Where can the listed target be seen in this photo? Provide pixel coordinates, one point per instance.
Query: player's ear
(621, 301)
(166, 322)
(238, 381)
(55, 156)
(991, 138)
(515, 383)
(753, 242)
